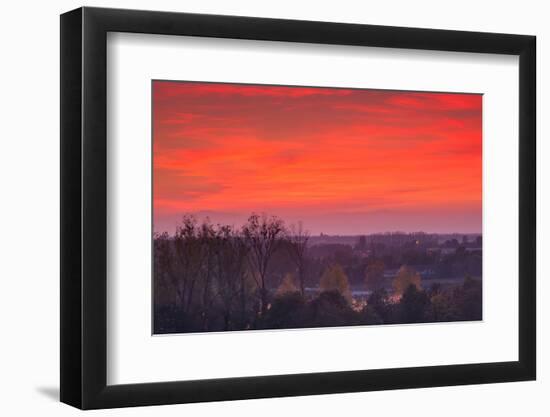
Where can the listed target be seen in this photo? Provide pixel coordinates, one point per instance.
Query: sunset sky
(342, 161)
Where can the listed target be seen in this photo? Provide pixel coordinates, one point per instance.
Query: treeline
(211, 277)
(441, 260)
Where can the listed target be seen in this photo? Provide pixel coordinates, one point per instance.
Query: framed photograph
(257, 207)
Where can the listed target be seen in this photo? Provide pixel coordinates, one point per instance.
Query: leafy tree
(406, 276)
(379, 302)
(287, 311)
(469, 299)
(335, 279)
(370, 316)
(442, 307)
(287, 286)
(330, 308)
(413, 305)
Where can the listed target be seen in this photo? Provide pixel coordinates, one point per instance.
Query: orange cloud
(318, 153)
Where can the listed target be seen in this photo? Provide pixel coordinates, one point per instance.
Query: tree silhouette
(414, 304)
(335, 279)
(406, 276)
(287, 286)
(229, 253)
(263, 236)
(298, 238)
(189, 257)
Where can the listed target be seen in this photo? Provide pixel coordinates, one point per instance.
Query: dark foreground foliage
(330, 308)
(263, 276)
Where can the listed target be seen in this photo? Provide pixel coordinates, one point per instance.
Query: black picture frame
(84, 207)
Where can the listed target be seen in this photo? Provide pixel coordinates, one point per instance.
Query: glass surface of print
(279, 207)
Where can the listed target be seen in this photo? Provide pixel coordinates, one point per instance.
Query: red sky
(342, 161)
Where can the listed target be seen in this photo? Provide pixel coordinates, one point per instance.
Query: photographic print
(285, 207)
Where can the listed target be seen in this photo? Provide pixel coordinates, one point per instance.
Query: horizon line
(395, 232)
